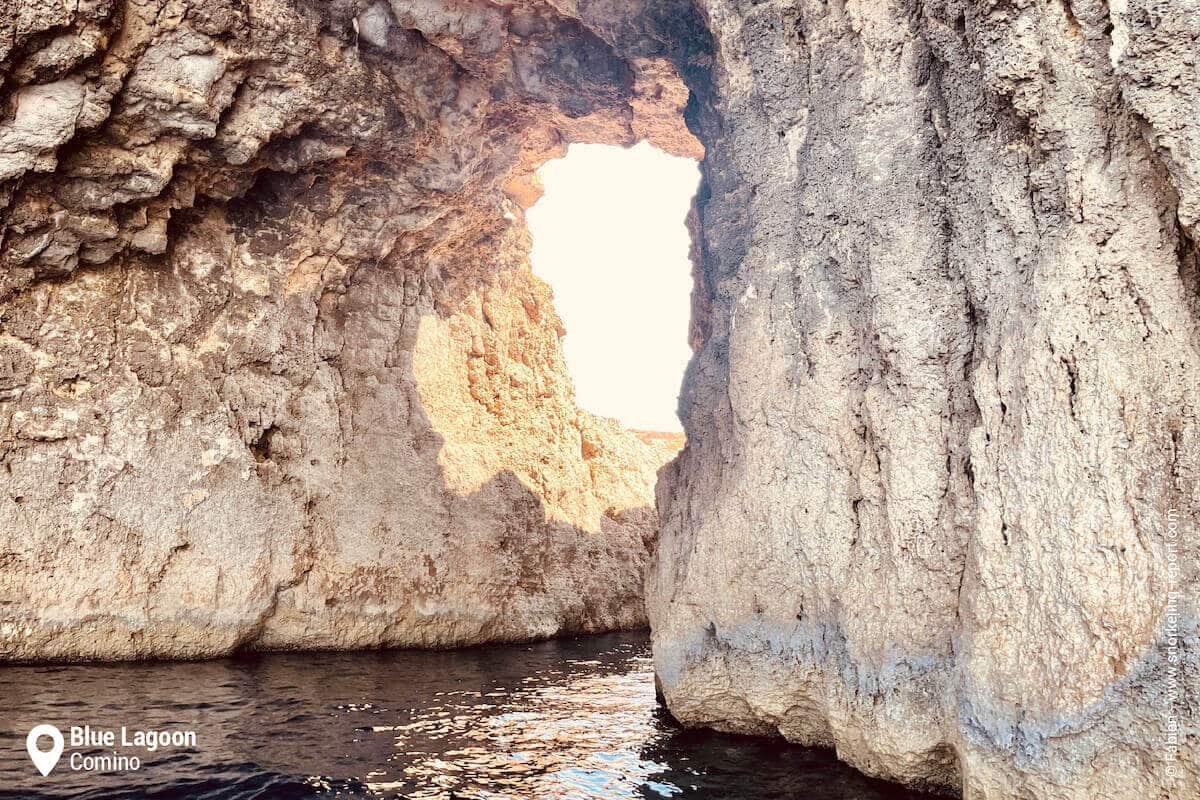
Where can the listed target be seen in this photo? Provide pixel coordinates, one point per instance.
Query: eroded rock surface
(275, 372)
(942, 428)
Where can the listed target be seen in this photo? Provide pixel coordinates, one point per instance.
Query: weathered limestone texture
(942, 422)
(274, 371)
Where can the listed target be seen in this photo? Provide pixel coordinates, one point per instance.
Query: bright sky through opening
(610, 239)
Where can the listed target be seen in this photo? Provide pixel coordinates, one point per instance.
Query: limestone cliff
(943, 430)
(275, 372)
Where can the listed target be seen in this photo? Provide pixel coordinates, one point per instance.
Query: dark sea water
(569, 719)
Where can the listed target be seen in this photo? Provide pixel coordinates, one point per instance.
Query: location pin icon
(44, 760)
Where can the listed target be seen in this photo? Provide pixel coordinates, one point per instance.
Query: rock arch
(941, 416)
(278, 374)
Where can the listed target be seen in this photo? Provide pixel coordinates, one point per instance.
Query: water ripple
(565, 720)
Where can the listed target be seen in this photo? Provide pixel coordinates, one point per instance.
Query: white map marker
(44, 760)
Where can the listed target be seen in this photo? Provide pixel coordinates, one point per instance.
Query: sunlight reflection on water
(575, 739)
(565, 720)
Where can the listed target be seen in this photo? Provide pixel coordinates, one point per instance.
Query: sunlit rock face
(942, 423)
(274, 371)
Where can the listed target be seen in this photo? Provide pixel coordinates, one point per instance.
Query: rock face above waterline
(941, 476)
(274, 371)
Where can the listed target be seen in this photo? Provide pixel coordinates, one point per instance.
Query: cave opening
(610, 237)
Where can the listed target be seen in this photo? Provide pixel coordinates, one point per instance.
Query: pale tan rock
(44, 119)
(945, 412)
(293, 384)
(941, 417)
